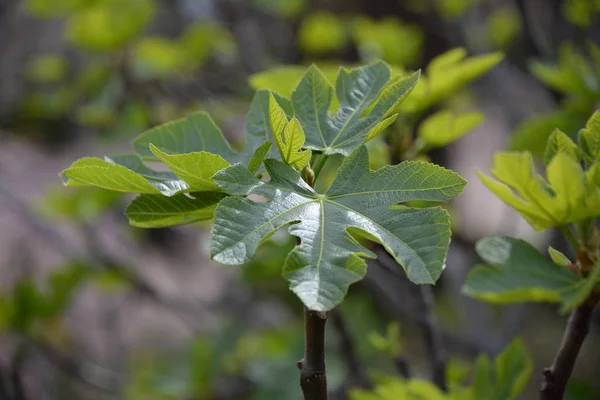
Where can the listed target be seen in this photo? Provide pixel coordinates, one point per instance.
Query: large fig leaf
(360, 202)
(366, 100)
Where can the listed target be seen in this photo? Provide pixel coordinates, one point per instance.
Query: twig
(356, 373)
(16, 371)
(432, 339)
(4, 391)
(90, 374)
(403, 367)
(555, 378)
(313, 378)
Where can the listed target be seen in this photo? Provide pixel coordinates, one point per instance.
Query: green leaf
(62, 284)
(156, 211)
(445, 127)
(198, 133)
(289, 136)
(589, 140)
(532, 135)
(359, 201)
(193, 148)
(109, 24)
(283, 80)
(195, 169)
(364, 101)
(77, 204)
(483, 384)
(583, 290)
(513, 371)
(321, 33)
(50, 68)
(560, 142)
(518, 273)
(158, 57)
(565, 198)
(132, 177)
(558, 257)
(445, 75)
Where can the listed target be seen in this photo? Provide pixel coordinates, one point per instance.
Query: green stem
(570, 237)
(320, 164)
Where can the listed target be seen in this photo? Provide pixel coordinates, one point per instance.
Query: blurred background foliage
(105, 311)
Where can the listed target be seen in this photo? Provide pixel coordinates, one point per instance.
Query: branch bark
(313, 378)
(556, 377)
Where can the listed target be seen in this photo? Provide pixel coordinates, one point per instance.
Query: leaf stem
(556, 377)
(570, 237)
(319, 165)
(313, 378)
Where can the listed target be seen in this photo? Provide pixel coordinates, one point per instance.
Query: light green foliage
(283, 80)
(45, 8)
(366, 98)
(445, 127)
(109, 24)
(573, 74)
(560, 142)
(581, 12)
(379, 40)
(589, 141)
(566, 197)
(27, 306)
(328, 258)
(505, 379)
(159, 57)
(47, 68)
(518, 273)
(445, 75)
(78, 204)
(289, 136)
(452, 9)
(578, 78)
(322, 33)
(390, 343)
(503, 27)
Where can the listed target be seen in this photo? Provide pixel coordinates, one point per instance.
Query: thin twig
(88, 373)
(402, 366)
(432, 339)
(555, 378)
(313, 378)
(356, 373)
(431, 334)
(16, 371)
(4, 390)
